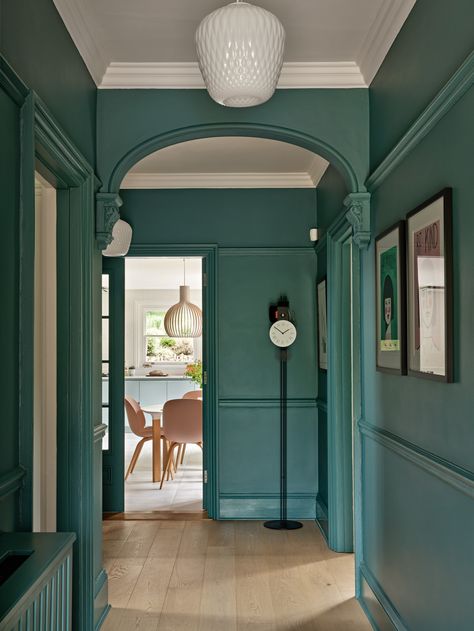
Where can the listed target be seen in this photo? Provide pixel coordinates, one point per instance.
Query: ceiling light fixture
(183, 319)
(121, 239)
(240, 52)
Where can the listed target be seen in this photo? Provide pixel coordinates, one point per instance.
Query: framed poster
(322, 325)
(429, 242)
(390, 266)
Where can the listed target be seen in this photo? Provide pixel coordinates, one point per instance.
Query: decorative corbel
(358, 215)
(107, 215)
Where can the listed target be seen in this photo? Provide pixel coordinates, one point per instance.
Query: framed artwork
(322, 325)
(430, 326)
(390, 270)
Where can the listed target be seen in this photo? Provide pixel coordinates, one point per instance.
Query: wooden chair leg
(183, 452)
(168, 463)
(177, 462)
(136, 454)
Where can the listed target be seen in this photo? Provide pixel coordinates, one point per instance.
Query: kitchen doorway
(160, 367)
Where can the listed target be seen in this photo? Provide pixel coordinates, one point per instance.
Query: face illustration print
(388, 306)
(431, 314)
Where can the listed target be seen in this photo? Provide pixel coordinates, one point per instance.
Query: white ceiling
(228, 162)
(339, 39)
(162, 273)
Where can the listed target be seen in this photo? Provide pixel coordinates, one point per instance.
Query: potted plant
(194, 371)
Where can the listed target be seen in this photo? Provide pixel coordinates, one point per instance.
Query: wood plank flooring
(226, 576)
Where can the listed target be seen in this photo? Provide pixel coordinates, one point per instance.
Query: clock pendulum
(282, 334)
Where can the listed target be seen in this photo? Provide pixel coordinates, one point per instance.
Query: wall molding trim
(266, 403)
(186, 75)
(321, 404)
(11, 482)
(383, 31)
(270, 251)
(220, 180)
(99, 431)
(456, 87)
(376, 604)
(265, 505)
(458, 477)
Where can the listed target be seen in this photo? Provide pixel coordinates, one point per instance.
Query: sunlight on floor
(226, 576)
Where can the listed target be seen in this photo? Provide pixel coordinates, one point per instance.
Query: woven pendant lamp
(183, 319)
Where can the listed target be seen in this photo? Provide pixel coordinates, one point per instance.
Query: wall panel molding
(11, 482)
(270, 251)
(266, 403)
(457, 86)
(447, 471)
(377, 605)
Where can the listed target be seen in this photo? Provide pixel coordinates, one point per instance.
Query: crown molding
(382, 33)
(76, 24)
(186, 75)
(217, 180)
(317, 169)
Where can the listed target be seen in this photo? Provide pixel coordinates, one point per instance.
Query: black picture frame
(430, 288)
(322, 326)
(391, 354)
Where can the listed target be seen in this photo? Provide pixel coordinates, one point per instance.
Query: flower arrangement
(194, 371)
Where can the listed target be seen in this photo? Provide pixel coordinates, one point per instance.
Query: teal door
(113, 332)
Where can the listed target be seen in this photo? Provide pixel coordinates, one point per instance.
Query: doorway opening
(159, 368)
(45, 359)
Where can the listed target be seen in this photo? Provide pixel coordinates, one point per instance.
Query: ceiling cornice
(73, 17)
(350, 74)
(186, 75)
(382, 33)
(217, 180)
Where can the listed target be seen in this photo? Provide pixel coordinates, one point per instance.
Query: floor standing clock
(282, 334)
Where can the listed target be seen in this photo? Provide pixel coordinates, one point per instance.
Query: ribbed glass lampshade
(183, 319)
(122, 237)
(240, 52)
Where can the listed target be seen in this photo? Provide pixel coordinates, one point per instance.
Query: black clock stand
(283, 523)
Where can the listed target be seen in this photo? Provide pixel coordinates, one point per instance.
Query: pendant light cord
(184, 266)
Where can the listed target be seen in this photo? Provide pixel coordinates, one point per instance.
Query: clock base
(283, 524)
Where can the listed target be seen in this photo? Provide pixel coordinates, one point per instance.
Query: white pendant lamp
(183, 319)
(121, 239)
(240, 52)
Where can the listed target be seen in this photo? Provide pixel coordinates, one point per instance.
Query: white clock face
(283, 333)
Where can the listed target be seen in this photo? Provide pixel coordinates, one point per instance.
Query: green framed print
(390, 273)
(430, 300)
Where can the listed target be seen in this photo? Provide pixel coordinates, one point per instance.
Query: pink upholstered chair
(182, 424)
(193, 394)
(137, 422)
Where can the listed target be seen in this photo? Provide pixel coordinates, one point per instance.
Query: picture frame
(322, 324)
(390, 297)
(430, 288)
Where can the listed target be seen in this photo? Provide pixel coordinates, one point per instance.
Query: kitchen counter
(145, 378)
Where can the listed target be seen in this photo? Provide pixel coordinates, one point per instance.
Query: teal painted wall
(35, 42)
(418, 525)
(264, 250)
(9, 335)
(331, 192)
(434, 41)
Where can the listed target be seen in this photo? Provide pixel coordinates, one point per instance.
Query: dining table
(159, 453)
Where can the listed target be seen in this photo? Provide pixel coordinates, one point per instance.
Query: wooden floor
(226, 576)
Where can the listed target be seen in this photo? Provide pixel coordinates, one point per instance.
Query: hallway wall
(264, 250)
(418, 462)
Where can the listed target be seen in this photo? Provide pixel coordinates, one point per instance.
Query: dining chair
(137, 422)
(182, 424)
(192, 394)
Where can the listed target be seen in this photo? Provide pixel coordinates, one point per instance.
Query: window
(157, 346)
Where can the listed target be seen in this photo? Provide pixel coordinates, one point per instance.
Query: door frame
(347, 236)
(208, 252)
(46, 148)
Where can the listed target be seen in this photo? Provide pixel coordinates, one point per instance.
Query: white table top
(157, 408)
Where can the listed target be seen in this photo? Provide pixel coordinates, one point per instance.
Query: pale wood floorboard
(226, 576)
